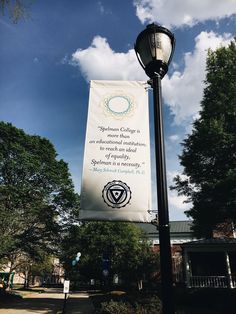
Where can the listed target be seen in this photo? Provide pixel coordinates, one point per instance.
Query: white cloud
(101, 7)
(100, 62)
(177, 203)
(183, 91)
(174, 138)
(183, 12)
(36, 60)
(171, 174)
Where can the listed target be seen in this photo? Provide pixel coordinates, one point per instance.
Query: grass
(19, 292)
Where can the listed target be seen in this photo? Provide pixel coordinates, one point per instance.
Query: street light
(154, 48)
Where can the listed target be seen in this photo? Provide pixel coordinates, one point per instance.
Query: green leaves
(36, 193)
(16, 9)
(209, 153)
(130, 255)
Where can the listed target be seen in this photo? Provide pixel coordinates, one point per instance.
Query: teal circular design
(118, 105)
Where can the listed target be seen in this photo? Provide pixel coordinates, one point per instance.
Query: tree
(37, 199)
(209, 153)
(121, 248)
(16, 9)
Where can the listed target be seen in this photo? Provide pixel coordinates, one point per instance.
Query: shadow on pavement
(77, 305)
(34, 305)
(49, 302)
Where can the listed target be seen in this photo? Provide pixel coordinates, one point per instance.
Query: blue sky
(47, 61)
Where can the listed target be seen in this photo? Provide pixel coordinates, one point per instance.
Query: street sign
(66, 287)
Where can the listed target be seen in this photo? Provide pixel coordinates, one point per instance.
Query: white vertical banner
(116, 182)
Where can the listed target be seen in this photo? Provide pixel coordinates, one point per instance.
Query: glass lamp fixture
(154, 48)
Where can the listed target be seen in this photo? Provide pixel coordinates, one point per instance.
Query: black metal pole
(163, 215)
(64, 304)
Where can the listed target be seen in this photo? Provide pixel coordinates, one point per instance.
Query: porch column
(229, 274)
(187, 268)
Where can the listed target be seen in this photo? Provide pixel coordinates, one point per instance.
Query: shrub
(144, 306)
(113, 307)
(149, 305)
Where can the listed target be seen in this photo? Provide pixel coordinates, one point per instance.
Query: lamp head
(154, 48)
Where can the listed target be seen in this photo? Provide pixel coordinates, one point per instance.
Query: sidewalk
(49, 302)
(79, 303)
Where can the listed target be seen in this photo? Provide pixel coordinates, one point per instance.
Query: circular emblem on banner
(116, 194)
(118, 106)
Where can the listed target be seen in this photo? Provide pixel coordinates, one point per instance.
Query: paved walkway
(49, 302)
(79, 303)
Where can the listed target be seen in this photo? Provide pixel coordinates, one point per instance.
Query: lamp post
(154, 48)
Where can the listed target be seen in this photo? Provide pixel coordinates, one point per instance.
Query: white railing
(209, 282)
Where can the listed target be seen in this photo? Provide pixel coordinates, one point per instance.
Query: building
(211, 263)
(200, 263)
(26, 275)
(180, 233)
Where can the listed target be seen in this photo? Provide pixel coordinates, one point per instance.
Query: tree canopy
(16, 9)
(121, 248)
(209, 153)
(36, 192)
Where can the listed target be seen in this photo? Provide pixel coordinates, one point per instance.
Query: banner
(116, 182)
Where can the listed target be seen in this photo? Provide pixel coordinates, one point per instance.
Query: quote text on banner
(116, 182)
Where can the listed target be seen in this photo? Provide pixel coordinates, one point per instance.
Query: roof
(213, 241)
(180, 227)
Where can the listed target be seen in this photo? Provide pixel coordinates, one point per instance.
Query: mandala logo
(118, 106)
(116, 194)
